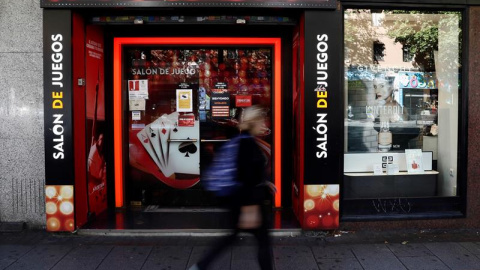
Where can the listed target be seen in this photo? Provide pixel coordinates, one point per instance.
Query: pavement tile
(245, 257)
(204, 241)
(126, 257)
(301, 252)
(454, 255)
(409, 250)
(23, 238)
(84, 257)
(332, 252)
(423, 263)
(244, 253)
(294, 241)
(293, 257)
(245, 264)
(339, 264)
(168, 257)
(10, 253)
(473, 247)
(41, 257)
(376, 256)
(221, 262)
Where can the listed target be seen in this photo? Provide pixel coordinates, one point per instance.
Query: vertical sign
(57, 81)
(220, 101)
(323, 98)
(323, 120)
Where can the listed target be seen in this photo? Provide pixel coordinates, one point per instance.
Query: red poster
(186, 120)
(95, 107)
(243, 101)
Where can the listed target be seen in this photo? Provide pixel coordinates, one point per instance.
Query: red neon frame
(117, 97)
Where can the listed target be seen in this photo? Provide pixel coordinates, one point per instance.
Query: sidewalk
(387, 250)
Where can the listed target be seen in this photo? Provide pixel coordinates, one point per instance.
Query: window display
(183, 104)
(407, 97)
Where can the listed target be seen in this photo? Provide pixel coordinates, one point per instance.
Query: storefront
(140, 94)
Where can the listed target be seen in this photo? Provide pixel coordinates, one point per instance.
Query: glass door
(183, 103)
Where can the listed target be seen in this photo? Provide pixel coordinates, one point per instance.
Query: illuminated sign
(189, 3)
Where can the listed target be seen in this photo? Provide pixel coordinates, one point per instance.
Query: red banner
(186, 120)
(243, 101)
(95, 109)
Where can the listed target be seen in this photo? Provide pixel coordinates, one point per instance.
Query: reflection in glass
(407, 96)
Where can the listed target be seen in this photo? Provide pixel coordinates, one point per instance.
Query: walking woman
(247, 210)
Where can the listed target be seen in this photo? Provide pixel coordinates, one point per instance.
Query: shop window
(402, 112)
(184, 102)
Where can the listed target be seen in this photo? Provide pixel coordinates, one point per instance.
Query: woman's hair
(249, 116)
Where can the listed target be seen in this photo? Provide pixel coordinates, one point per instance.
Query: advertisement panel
(189, 3)
(95, 109)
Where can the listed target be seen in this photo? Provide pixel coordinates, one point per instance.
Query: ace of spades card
(184, 156)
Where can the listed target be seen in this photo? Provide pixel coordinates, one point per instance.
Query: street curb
(181, 232)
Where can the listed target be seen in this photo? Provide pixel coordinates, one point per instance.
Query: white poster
(138, 89)
(137, 104)
(414, 160)
(136, 116)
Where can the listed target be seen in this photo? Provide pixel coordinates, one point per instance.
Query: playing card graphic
(145, 140)
(165, 127)
(153, 130)
(184, 156)
(173, 148)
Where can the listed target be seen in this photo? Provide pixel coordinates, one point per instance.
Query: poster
(137, 104)
(186, 120)
(184, 100)
(95, 109)
(136, 116)
(414, 160)
(138, 89)
(220, 101)
(243, 101)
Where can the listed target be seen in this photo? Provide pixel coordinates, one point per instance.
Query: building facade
(370, 107)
